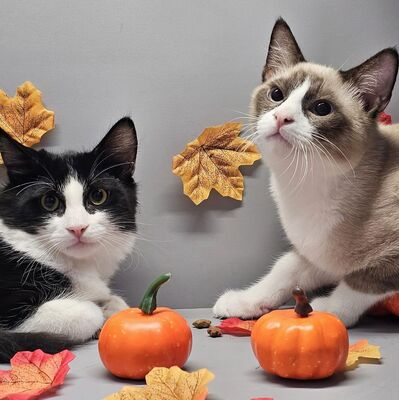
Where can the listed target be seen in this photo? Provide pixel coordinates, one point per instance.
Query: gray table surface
(238, 376)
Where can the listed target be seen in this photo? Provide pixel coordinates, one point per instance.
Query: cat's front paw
(345, 314)
(113, 305)
(238, 303)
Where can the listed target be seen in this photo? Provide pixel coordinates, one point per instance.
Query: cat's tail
(12, 342)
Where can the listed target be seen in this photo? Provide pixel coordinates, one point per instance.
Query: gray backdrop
(177, 66)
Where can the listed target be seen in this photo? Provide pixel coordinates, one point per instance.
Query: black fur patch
(25, 285)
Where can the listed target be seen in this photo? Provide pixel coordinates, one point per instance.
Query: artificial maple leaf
(362, 352)
(168, 384)
(24, 117)
(33, 373)
(211, 162)
(237, 326)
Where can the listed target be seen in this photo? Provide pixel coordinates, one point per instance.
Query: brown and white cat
(334, 177)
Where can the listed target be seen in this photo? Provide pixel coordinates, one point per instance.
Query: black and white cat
(66, 222)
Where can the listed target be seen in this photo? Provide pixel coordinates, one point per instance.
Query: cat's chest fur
(309, 217)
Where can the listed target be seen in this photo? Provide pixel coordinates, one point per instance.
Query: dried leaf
(211, 162)
(33, 373)
(24, 117)
(237, 327)
(362, 352)
(168, 384)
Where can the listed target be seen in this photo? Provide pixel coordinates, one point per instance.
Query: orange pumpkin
(134, 341)
(390, 305)
(300, 343)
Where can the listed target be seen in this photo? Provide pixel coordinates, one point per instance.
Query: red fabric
(385, 119)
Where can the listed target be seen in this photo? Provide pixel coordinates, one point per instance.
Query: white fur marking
(292, 106)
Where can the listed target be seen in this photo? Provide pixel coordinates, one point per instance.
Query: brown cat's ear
(374, 79)
(283, 50)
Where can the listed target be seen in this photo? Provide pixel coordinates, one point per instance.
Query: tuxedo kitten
(66, 222)
(334, 177)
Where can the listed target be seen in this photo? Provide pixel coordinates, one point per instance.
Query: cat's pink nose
(77, 231)
(282, 118)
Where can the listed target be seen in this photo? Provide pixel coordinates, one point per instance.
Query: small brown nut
(202, 323)
(214, 331)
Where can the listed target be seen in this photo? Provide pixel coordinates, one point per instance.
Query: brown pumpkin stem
(149, 302)
(302, 306)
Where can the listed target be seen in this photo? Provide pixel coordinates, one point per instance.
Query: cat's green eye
(50, 202)
(98, 197)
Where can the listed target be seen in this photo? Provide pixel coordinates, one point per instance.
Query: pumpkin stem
(149, 302)
(302, 306)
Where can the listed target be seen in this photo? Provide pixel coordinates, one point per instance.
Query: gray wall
(178, 66)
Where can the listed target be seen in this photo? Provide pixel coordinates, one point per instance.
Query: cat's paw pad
(113, 305)
(237, 303)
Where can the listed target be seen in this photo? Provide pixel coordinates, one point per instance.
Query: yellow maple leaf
(168, 384)
(362, 352)
(23, 116)
(211, 162)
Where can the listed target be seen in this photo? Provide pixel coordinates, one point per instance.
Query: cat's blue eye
(276, 94)
(98, 196)
(322, 108)
(50, 202)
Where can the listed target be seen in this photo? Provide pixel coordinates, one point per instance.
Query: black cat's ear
(118, 149)
(374, 79)
(283, 50)
(19, 160)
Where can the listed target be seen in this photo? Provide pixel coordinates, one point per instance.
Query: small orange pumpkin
(300, 343)
(134, 341)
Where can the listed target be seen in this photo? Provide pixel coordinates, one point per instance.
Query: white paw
(237, 303)
(344, 313)
(320, 304)
(113, 305)
(79, 320)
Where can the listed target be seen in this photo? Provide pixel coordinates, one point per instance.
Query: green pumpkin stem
(302, 306)
(149, 302)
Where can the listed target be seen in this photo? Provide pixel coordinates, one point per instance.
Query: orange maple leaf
(237, 326)
(33, 373)
(23, 116)
(211, 162)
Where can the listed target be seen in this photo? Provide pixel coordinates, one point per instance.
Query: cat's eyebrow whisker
(33, 184)
(95, 166)
(112, 166)
(18, 186)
